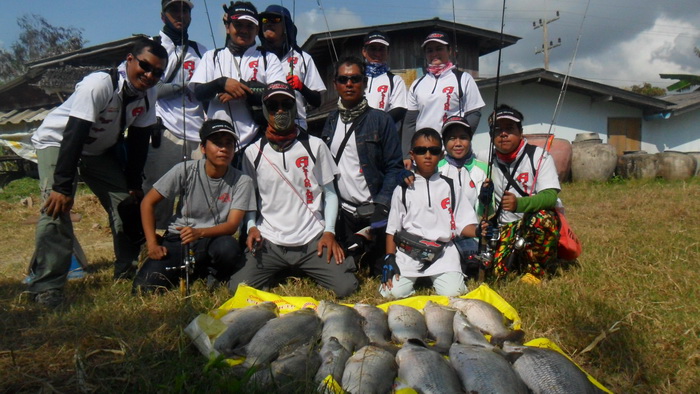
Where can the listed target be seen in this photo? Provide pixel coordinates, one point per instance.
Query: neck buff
(376, 69)
(278, 141)
(237, 50)
(349, 114)
(440, 68)
(509, 157)
(128, 87)
(459, 163)
(177, 36)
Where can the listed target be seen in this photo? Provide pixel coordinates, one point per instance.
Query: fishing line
(328, 29)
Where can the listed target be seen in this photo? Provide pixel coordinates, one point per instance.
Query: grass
(634, 299)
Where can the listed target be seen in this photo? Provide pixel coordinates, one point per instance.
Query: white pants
(445, 284)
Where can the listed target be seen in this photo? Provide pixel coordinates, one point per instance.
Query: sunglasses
(149, 68)
(274, 106)
(343, 79)
(273, 19)
(421, 150)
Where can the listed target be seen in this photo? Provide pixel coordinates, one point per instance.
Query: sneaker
(50, 298)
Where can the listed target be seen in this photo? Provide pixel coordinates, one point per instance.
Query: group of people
(217, 145)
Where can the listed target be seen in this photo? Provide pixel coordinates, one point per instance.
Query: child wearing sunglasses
(423, 221)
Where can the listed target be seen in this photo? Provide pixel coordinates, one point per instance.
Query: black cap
(278, 88)
(165, 3)
(378, 37)
(437, 36)
(456, 120)
(243, 11)
(213, 126)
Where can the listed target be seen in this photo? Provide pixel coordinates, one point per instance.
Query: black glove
(402, 175)
(379, 217)
(389, 269)
(486, 194)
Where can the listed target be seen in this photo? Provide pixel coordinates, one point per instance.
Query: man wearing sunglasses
(365, 145)
(279, 36)
(225, 77)
(86, 135)
(179, 113)
(298, 205)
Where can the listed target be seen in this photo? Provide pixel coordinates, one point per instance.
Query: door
(625, 134)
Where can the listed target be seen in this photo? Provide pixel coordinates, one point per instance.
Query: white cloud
(313, 21)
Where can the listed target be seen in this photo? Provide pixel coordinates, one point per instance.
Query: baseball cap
(165, 3)
(214, 126)
(378, 37)
(507, 114)
(278, 88)
(456, 120)
(437, 36)
(241, 11)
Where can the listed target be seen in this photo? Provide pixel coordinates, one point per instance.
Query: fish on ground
(426, 370)
(282, 335)
(291, 372)
(333, 359)
(406, 323)
(488, 319)
(371, 370)
(376, 327)
(343, 323)
(439, 320)
(548, 371)
(484, 370)
(467, 334)
(243, 324)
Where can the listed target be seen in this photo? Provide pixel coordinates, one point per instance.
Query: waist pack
(424, 250)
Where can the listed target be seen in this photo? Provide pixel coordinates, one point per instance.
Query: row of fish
(365, 349)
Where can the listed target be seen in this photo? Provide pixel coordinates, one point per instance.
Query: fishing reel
(186, 269)
(493, 235)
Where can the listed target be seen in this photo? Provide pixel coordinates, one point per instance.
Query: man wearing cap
(442, 92)
(365, 145)
(214, 199)
(294, 227)
(385, 90)
(526, 186)
(224, 77)
(180, 115)
(82, 136)
(279, 36)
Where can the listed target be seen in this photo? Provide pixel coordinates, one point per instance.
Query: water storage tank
(676, 165)
(560, 151)
(591, 159)
(637, 165)
(696, 155)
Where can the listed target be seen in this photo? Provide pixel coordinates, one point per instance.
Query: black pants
(373, 254)
(215, 260)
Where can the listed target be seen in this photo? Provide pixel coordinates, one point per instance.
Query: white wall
(679, 133)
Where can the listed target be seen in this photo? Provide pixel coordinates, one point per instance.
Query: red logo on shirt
(254, 66)
(449, 90)
(445, 204)
(189, 66)
(293, 60)
(383, 89)
(472, 185)
(137, 111)
(225, 198)
(523, 178)
(302, 161)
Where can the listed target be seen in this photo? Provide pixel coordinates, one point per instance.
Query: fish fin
(515, 336)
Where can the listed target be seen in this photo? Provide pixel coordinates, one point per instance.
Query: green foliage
(648, 90)
(19, 189)
(38, 39)
(687, 81)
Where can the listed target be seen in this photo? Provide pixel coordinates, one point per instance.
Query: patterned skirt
(540, 232)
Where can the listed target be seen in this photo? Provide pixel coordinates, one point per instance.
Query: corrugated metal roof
(28, 115)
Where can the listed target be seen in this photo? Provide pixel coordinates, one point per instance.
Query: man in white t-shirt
(178, 112)
(85, 135)
(231, 78)
(279, 36)
(294, 227)
(385, 91)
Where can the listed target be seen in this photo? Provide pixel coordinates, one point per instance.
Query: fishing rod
(488, 245)
(334, 54)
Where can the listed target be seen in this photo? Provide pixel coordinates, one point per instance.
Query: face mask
(282, 120)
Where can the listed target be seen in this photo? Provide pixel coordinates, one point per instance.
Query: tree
(38, 39)
(648, 90)
(687, 81)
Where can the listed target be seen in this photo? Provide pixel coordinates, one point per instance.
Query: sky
(622, 42)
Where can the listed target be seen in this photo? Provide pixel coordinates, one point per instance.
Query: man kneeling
(298, 204)
(213, 200)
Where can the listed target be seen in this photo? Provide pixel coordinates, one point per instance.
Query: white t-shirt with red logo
(427, 214)
(170, 109)
(436, 99)
(97, 101)
(303, 66)
(290, 186)
(380, 95)
(249, 67)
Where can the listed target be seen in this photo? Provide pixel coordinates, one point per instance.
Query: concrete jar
(592, 160)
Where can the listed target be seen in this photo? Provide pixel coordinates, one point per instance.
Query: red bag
(569, 247)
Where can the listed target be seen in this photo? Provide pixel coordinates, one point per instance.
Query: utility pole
(547, 45)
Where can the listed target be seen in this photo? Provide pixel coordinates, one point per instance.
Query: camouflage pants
(540, 230)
